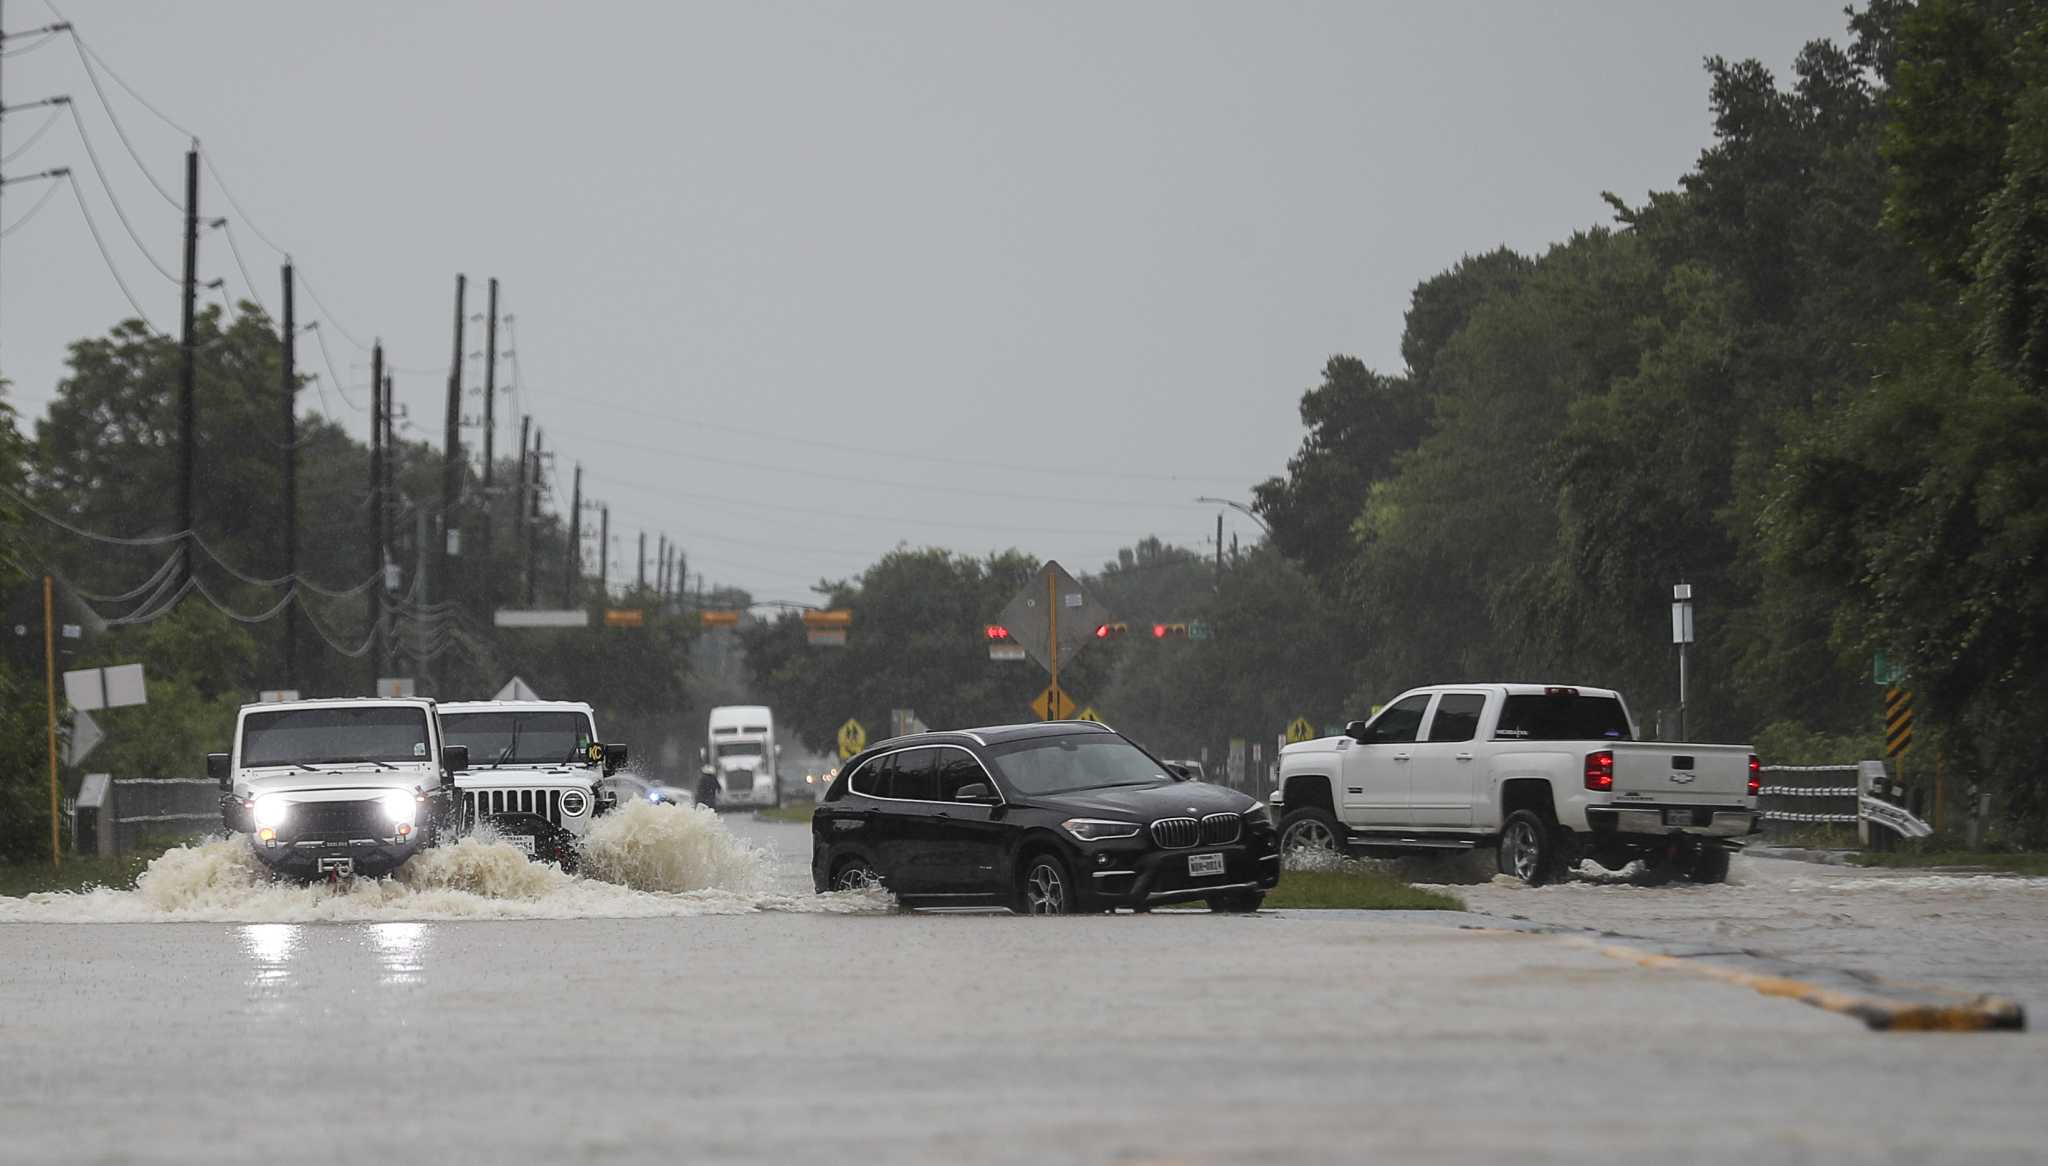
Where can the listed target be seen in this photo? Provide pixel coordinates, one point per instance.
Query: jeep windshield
(520, 738)
(334, 736)
(1057, 765)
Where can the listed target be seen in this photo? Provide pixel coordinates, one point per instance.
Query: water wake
(644, 861)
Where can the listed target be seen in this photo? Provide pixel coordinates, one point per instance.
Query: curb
(1882, 1004)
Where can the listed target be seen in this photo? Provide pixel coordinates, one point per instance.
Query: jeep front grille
(543, 803)
(1175, 833)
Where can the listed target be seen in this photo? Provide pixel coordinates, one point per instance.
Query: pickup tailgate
(1698, 775)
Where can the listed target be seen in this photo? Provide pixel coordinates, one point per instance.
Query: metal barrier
(122, 812)
(1833, 795)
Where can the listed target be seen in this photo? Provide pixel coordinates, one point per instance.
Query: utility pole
(643, 561)
(451, 459)
(62, 173)
(378, 455)
(574, 574)
(660, 564)
(604, 552)
(188, 420)
(385, 540)
(490, 431)
(1219, 548)
(289, 389)
(519, 497)
(533, 522)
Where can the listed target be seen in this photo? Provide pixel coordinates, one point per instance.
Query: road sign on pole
(1089, 714)
(1898, 721)
(852, 739)
(1299, 730)
(1053, 616)
(1053, 704)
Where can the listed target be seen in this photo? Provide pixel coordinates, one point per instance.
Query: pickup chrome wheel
(1046, 889)
(1528, 848)
(1314, 831)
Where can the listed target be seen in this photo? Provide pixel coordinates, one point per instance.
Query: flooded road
(757, 1023)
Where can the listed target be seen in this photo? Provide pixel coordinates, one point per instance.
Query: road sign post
(1050, 619)
(852, 739)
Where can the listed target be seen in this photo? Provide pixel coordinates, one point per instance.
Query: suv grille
(1174, 833)
(544, 803)
(1221, 829)
(354, 819)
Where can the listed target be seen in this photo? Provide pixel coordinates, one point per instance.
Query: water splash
(643, 861)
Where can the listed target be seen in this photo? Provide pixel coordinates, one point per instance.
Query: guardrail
(1833, 795)
(115, 814)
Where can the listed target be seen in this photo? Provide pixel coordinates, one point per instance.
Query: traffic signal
(997, 632)
(1169, 631)
(1111, 631)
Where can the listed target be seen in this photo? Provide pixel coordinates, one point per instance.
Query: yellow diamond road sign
(852, 739)
(1053, 705)
(1300, 730)
(1089, 714)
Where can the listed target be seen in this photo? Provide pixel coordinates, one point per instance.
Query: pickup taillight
(1600, 770)
(1756, 775)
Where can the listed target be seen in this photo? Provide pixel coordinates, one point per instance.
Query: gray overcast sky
(1109, 239)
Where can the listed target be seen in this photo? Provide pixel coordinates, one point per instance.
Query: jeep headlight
(574, 802)
(400, 806)
(270, 811)
(1099, 829)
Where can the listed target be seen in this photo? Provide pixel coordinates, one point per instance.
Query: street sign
(1299, 730)
(721, 619)
(506, 617)
(1885, 673)
(396, 686)
(85, 734)
(516, 689)
(827, 628)
(1053, 705)
(625, 617)
(1003, 651)
(1898, 721)
(1198, 630)
(275, 695)
(92, 689)
(852, 739)
(1089, 714)
(1053, 598)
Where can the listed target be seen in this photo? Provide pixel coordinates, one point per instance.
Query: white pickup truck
(1548, 774)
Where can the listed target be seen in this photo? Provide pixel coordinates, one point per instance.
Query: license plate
(1678, 817)
(1204, 864)
(524, 842)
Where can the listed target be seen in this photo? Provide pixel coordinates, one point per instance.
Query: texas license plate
(1204, 864)
(524, 842)
(1678, 817)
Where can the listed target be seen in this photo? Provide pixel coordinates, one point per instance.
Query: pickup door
(1699, 775)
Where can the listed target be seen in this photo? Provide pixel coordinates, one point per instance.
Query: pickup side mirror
(976, 791)
(1356, 730)
(217, 769)
(454, 760)
(614, 759)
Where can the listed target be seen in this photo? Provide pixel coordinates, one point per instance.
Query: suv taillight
(1756, 775)
(1600, 770)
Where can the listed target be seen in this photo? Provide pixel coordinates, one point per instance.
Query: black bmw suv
(1045, 819)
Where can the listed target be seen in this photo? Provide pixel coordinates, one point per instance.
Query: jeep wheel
(1313, 830)
(1529, 849)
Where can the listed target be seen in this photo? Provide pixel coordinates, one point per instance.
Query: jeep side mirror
(217, 769)
(1356, 730)
(454, 759)
(976, 791)
(614, 759)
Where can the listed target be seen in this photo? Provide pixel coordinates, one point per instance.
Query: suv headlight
(1098, 829)
(270, 811)
(400, 806)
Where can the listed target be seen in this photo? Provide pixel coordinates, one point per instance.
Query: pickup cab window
(1401, 721)
(1561, 717)
(1457, 716)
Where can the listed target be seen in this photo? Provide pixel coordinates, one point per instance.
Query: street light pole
(1241, 508)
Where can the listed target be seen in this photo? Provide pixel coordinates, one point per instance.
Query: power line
(108, 256)
(102, 62)
(299, 273)
(40, 40)
(248, 281)
(108, 189)
(119, 132)
(221, 184)
(320, 335)
(48, 192)
(34, 137)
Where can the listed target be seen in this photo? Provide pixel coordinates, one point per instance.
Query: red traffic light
(1169, 631)
(996, 631)
(1159, 631)
(1111, 631)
